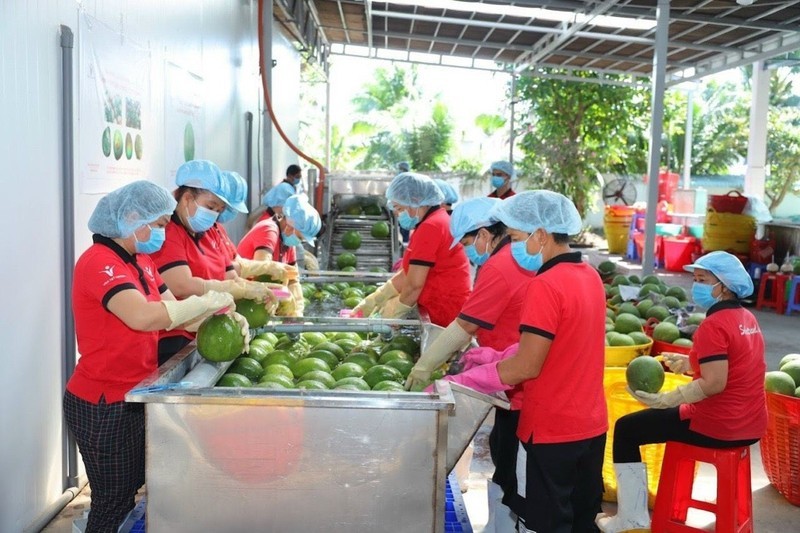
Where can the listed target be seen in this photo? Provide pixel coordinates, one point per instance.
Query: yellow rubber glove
(449, 341)
(297, 294)
(241, 288)
(377, 299)
(689, 393)
(194, 309)
(678, 363)
(310, 261)
(274, 269)
(245, 329)
(394, 308)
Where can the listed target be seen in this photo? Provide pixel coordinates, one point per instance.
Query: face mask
(498, 181)
(291, 240)
(701, 294)
(296, 181)
(153, 244)
(406, 221)
(525, 260)
(476, 258)
(202, 219)
(226, 216)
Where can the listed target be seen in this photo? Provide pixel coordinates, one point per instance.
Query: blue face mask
(473, 255)
(406, 221)
(296, 181)
(202, 219)
(525, 260)
(291, 240)
(701, 294)
(498, 181)
(153, 244)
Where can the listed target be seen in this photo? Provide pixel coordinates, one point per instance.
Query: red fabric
(230, 247)
(114, 358)
(566, 402)
(448, 283)
(739, 412)
(508, 194)
(266, 234)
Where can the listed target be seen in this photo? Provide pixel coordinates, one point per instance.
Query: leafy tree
(429, 144)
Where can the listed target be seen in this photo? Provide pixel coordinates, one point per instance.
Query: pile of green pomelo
(785, 380)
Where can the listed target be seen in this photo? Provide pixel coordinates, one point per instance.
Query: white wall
(216, 39)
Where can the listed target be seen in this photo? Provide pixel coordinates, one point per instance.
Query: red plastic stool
(793, 302)
(776, 300)
(734, 505)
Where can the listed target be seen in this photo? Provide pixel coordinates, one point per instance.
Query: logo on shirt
(108, 270)
(744, 330)
(149, 272)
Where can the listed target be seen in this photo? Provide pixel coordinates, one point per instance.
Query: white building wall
(214, 38)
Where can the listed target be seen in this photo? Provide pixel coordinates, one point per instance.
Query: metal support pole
(266, 66)
(327, 123)
(511, 121)
(656, 129)
(248, 158)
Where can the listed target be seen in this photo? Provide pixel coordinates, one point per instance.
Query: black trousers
(503, 446)
(169, 346)
(110, 438)
(660, 425)
(563, 486)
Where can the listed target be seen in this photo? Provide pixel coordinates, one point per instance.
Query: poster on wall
(114, 122)
(183, 117)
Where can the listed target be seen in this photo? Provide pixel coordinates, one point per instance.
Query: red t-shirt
(566, 303)
(739, 412)
(266, 235)
(448, 283)
(230, 247)
(114, 358)
(205, 254)
(495, 305)
(508, 194)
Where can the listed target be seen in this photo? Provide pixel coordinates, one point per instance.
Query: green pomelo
(359, 383)
(403, 366)
(779, 382)
(369, 348)
(348, 386)
(793, 369)
(346, 259)
(402, 342)
(789, 357)
(279, 357)
(285, 381)
(639, 337)
(351, 302)
(629, 308)
(274, 385)
(657, 311)
(321, 296)
(634, 279)
(671, 302)
(347, 335)
(379, 373)
(695, 319)
(348, 370)
(644, 373)
(259, 351)
(219, 338)
(607, 267)
(372, 210)
(647, 288)
(619, 279)
(332, 347)
(644, 306)
(277, 370)
(626, 322)
(311, 384)
(351, 240)
(616, 299)
(313, 337)
(234, 380)
(388, 386)
(361, 359)
(609, 327)
(620, 339)
(353, 210)
(613, 291)
(352, 292)
(672, 319)
(686, 343)
(331, 288)
(393, 355)
(676, 292)
(380, 230)
(323, 377)
(797, 392)
(248, 367)
(610, 314)
(666, 332)
(652, 278)
(304, 366)
(268, 337)
(326, 356)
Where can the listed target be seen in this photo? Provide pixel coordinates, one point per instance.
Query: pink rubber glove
(482, 378)
(482, 356)
(397, 265)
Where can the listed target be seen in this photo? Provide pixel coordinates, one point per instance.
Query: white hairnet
(450, 194)
(471, 215)
(234, 190)
(122, 211)
(202, 174)
(728, 269)
(531, 210)
(414, 190)
(505, 167)
(302, 216)
(277, 196)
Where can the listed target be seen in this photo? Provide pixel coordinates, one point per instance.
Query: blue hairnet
(728, 269)
(471, 215)
(504, 166)
(302, 215)
(128, 208)
(414, 190)
(404, 166)
(235, 191)
(277, 196)
(450, 194)
(201, 174)
(531, 210)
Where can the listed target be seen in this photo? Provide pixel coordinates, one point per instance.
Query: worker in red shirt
(194, 257)
(120, 303)
(724, 406)
(563, 420)
(492, 315)
(502, 173)
(435, 275)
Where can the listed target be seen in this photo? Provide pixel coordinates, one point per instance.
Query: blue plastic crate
(456, 519)
(135, 521)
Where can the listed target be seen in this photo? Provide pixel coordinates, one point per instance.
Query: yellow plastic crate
(622, 355)
(620, 403)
